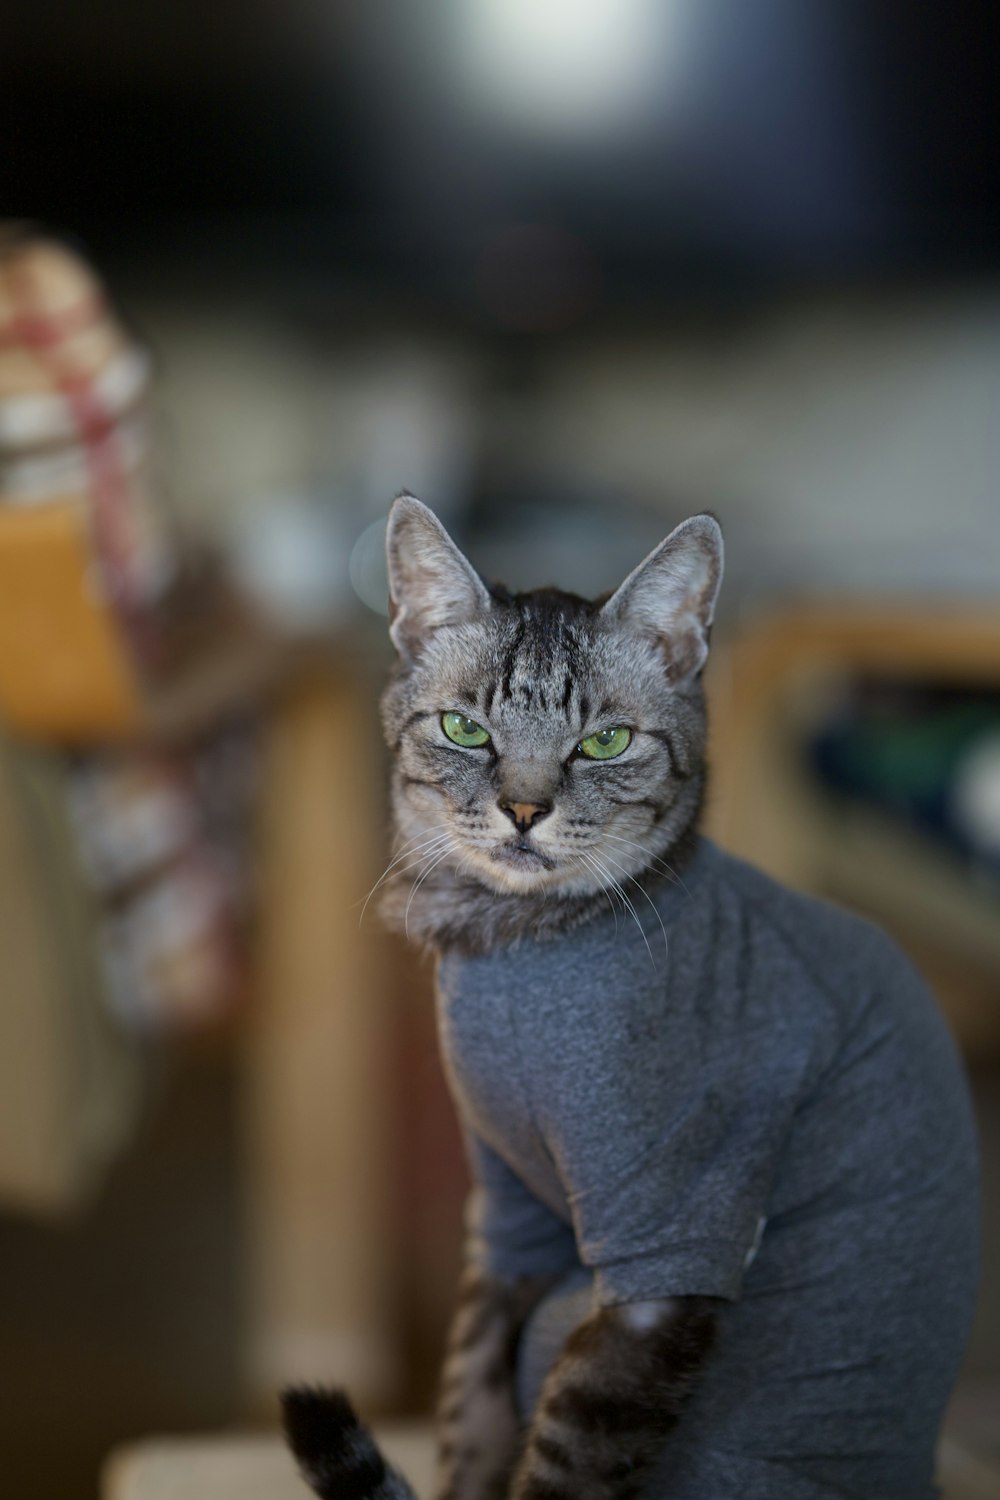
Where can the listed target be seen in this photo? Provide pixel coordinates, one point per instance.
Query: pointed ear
(670, 596)
(430, 583)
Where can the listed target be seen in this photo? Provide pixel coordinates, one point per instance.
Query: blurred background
(569, 273)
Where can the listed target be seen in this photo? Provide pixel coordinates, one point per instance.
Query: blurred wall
(846, 441)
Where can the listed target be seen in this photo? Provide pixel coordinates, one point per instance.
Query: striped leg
(611, 1400)
(478, 1425)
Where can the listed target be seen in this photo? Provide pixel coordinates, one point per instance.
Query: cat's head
(545, 745)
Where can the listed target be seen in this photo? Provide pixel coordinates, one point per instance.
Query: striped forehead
(537, 665)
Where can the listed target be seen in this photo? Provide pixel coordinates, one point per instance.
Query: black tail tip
(317, 1422)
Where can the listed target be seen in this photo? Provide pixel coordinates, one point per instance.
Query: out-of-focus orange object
(64, 668)
(86, 555)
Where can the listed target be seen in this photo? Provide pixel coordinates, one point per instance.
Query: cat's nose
(524, 814)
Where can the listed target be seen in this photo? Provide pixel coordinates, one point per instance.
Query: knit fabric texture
(753, 1099)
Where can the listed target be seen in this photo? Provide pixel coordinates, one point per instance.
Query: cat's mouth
(522, 855)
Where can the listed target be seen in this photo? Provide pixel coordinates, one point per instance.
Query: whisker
(652, 859)
(411, 856)
(436, 859)
(604, 876)
(639, 887)
(416, 853)
(647, 853)
(621, 892)
(583, 857)
(410, 846)
(635, 917)
(401, 842)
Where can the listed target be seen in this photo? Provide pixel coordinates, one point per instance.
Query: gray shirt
(757, 1102)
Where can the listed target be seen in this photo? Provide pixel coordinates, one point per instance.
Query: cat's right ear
(431, 585)
(670, 597)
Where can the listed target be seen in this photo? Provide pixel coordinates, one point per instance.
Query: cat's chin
(517, 869)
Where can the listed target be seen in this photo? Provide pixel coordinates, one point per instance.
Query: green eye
(463, 731)
(606, 743)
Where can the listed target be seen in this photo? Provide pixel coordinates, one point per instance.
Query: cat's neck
(453, 912)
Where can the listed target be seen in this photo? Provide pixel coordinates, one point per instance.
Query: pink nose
(525, 814)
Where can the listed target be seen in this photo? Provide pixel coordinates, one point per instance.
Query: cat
(722, 1237)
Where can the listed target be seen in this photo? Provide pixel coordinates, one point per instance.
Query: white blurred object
(167, 954)
(976, 794)
(129, 816)
(290, 554)
(369, 576)
(567, 66)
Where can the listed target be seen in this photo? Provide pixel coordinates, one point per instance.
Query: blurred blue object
(927, 757)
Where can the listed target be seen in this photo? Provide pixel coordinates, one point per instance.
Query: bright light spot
(563, 66)
(975, 796)
(367, 568)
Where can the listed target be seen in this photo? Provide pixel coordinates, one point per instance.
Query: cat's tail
(336, 1454)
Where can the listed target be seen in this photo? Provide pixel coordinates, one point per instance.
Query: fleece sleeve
(511, 1232)
(677, 1210)
(668, 1152)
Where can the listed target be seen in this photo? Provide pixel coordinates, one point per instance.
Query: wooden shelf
(763, 687)
(229, 674)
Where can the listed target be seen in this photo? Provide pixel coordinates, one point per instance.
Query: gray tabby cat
(549, 763)
(533, 842)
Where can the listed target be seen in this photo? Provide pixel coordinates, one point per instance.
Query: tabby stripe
(510, 660)
(553, 1452)
(474, 1324)
(538, 1487)
(470, 1287)
(567, 696)
(668, 740)
(497, 1372)
(451, 1410)
(589, 1409)
(453, 1379)
(426, 713)
(638, 802)
(445, 753)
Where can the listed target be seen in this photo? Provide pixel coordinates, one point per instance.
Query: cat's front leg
(612, 1398)
(477, 1421)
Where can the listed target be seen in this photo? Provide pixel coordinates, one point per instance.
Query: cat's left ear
(670, 597)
